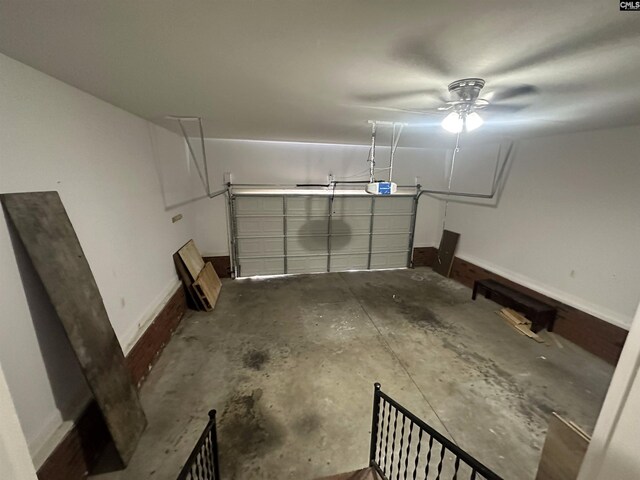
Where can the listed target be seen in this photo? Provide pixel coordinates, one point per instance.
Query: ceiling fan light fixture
(453, 122)
(473, 121)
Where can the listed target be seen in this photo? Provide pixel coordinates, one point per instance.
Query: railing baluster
(473, 474)
(415, 467)
(382, 449)
(442, 452)
(386, 439)
(426, 468)
(406, 457)
(384, 469)
(393, 443)
(455, 468)
(374, 424)
(400, 450)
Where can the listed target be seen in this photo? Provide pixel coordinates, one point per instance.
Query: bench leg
(475, 291)
(536, 326)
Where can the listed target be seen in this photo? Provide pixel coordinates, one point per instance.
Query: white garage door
(283, 234)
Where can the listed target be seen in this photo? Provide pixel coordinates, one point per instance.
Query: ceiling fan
(464, 103)
(463, 110)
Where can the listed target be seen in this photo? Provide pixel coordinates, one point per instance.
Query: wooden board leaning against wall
(199, 279)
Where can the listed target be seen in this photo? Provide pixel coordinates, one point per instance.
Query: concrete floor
(290, 362)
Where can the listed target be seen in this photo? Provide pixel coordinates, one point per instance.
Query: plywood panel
(187, 282)
(192, 259)
(446, 252)
(45, 230)
(208, 286)
(563, 451)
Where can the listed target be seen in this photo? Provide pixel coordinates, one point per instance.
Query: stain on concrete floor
(290, 362)
(249, 430)
(255, 359)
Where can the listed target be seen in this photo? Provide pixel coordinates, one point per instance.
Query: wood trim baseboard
(77, 453)
(591, 333)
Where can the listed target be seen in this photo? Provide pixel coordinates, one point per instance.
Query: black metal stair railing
(402, 447)
(405, 447)
(203, 461)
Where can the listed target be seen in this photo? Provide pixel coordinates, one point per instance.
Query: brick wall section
(591, 333)
(222, 265)
(424, 256)
(80, 449)
(148, 348)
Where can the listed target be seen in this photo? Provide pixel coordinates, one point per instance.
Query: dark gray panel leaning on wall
(44, 228)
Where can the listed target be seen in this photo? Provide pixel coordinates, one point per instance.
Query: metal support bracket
(204, 177)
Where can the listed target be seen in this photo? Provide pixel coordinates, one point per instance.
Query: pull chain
(446, 203)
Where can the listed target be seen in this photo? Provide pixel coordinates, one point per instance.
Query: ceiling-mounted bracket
(203, 177)
(395, 138)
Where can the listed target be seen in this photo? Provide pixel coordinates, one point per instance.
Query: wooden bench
(541, 314)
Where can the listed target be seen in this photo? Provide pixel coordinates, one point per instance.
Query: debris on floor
(519, 323)
(554, 338)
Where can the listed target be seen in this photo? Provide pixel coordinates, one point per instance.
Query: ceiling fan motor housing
(467, 89)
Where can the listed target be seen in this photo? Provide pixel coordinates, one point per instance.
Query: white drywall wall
(293, 163)
(15, 460)
(567, 223)
(105, 163)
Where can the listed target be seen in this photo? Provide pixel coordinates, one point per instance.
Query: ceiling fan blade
(512, 92)
(402, 110)
(390, 96)
(586, 40)
(502, 108)
(418, 52)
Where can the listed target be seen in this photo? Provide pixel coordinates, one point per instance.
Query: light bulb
(452, 123)
(473, 121)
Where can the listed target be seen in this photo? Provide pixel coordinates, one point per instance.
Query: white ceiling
(311, 70)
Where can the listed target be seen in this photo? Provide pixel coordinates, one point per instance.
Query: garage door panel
(261, 239)
(307, 226)
(344, 224)
(385, 243)
(389, 260)
(258, 205)
(341, 263)
(307, 206)
(253, 247)
(310, 244)
(392, 224)
(307, 264)
(393, 205)
(261, 266)
(351, 205)
(259, 226)
(350, 244)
